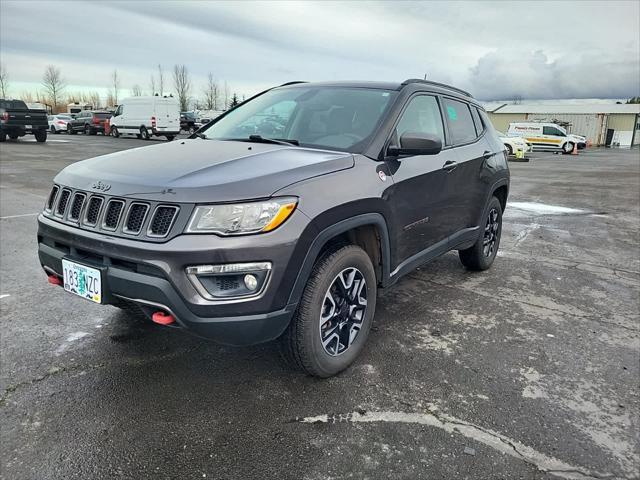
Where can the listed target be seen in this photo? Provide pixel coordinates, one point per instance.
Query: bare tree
(53, 85)
(94, 99)
(136, 90)
(226, 95)
(211, 93)
(182, 84)
(152, 84)
(160, 80)
(26, 96)
(115, 83)
(4, 81)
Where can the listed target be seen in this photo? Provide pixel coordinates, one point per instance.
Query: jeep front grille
(117, 216)
(62, 203)
(135, 218)
(76, 206)
(93, 211)
(162, 221)
(112, 214)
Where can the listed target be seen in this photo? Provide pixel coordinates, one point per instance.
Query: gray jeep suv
(281, 218)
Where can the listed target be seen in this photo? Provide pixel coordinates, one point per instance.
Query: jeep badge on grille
(98, 185)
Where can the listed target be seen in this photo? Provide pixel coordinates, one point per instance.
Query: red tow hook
(163, 318)
(54, 280)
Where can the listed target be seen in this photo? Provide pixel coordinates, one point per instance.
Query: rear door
(168, 116)
(466, 133)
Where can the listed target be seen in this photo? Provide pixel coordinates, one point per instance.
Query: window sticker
(453, 115)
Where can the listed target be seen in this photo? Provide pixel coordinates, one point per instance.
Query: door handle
(449, 165)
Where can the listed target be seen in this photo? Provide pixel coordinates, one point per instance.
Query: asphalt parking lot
(529, 370)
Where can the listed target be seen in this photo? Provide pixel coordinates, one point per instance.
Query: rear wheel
(509, 150)
(70, 130)
(86, 129)
(144, 133)
(170, 138)
(480, 256)
(41, 136)
(333, 319)
(53, 129)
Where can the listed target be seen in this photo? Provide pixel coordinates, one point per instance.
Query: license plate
(82, 281)
(28, 127)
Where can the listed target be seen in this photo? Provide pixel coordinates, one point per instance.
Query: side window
(477, 121)
(421, 115)
(460, 122)
(552, 131)
(119, 111)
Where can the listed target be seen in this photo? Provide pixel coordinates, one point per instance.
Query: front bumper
(153, 275)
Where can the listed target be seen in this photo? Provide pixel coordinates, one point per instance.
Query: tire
(191, 130)
(567, 148)
(114, 132)
(509, 150)
(86, 130)
(138, 136)
(53, 130)
(480, 256)
(13, 136)
(70, 130)
(41, 136)
(3, 137)
(144, 133)
(302, 342)
(170, 138)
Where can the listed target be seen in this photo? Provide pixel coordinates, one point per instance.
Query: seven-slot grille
(112, 214)
(135, 218)
(115, 215)
(62, 203)
(76, 206)
(162, 221)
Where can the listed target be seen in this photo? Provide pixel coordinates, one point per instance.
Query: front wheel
(170, 138)
(53, 129)
(480, 256)
(114, 132)
(41, 136)
(333, 319)
(70, 130)
(567, 148)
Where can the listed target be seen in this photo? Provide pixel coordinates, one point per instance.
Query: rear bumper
(162, 133)
(21, 130)
(152, 275)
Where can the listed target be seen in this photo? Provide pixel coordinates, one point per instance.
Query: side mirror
(416, 143)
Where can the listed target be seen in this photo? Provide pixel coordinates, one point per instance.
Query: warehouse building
(602, 124)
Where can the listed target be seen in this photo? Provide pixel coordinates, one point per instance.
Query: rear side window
(461, 126)
(477, 121)
(552, 131)
(421, 115)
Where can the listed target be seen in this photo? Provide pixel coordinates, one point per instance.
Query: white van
(545, 136)
(146, 117)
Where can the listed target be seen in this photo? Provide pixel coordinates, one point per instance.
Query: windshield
(336, 118)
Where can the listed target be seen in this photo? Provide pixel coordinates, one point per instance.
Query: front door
(420, 200)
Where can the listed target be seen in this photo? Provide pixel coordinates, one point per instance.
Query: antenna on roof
(425, 76)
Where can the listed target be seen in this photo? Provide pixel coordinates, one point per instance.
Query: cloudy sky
(496, 50)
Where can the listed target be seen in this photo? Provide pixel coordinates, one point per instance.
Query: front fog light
(251, 282)
(234, 280)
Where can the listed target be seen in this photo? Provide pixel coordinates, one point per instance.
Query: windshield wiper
(277, 141)
(200, 135)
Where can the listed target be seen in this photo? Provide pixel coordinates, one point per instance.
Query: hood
(199, 171)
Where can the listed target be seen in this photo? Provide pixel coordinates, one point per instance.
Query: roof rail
(437, 84)
(293, 83)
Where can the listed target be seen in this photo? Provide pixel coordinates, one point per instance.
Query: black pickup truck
(17, 120)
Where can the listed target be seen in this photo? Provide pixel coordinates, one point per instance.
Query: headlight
(241, 218)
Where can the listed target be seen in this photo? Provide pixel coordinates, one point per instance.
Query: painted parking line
(8, 217)
(5, 295)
